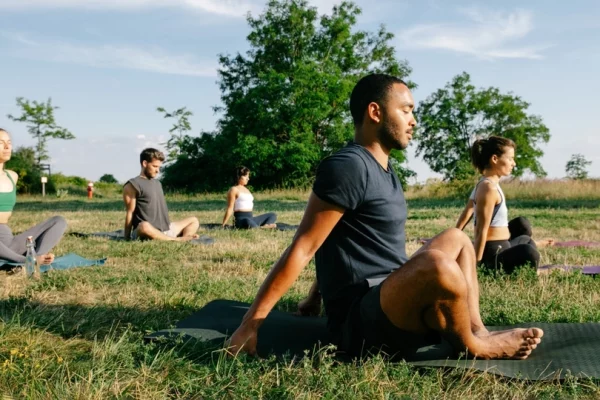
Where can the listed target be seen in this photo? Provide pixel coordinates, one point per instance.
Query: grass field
(78, 334)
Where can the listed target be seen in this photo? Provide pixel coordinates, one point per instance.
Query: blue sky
(109, 63)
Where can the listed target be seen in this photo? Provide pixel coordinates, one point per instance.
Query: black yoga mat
(119, 235)
(566, 349)
(281, 226)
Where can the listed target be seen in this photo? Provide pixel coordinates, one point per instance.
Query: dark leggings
(245, 220)
(518, 251)
(46, 235)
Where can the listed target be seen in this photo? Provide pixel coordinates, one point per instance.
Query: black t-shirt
(368, 243)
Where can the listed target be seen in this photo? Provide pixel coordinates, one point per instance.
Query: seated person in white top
(498, 242)
(240, 203)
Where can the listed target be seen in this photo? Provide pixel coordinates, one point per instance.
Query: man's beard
(386, 135)
(147, 174)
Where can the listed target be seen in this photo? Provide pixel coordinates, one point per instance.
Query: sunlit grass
(78, 334)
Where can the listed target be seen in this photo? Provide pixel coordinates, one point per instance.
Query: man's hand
(244, 340)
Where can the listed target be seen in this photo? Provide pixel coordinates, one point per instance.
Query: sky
(108, 64)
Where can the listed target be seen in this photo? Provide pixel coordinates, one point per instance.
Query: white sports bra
(500, 215)
(244, 201)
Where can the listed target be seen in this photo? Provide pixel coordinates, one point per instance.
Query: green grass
(78, 334)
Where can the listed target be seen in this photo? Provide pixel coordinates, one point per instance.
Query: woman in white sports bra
(240, 203)
(498, 242)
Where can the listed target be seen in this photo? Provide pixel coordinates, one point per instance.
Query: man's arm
(466, 215)
(129, 196)
(317, 223)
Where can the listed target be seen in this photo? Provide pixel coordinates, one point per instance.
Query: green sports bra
(8, 199)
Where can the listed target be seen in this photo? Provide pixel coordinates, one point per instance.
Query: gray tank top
(150, 204)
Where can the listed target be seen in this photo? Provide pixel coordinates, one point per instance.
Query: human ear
(374, 112)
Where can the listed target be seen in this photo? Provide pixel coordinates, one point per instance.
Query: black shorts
(367, 330)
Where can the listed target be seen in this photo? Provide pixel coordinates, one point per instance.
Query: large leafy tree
(285, 101)
(452, 118)
(39, 117)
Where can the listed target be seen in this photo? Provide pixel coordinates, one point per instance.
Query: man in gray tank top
(147, 216)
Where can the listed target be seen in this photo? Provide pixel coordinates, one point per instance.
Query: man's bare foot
(269, 226)
(45, 259)
(544, 243)
(514, 344)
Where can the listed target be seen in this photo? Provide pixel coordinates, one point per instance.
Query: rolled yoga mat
(119, 235)
(566, 349)
(67, 261)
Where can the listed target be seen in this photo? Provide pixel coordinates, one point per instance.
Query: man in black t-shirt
(375, 297)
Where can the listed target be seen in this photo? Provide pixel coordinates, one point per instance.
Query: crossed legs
(437, 290)
(183, 230)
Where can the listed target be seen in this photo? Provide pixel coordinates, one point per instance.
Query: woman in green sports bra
(45, 235)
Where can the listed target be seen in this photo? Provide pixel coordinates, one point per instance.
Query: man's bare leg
(457, 245)
(186, 227)
(146, 231)
(430, 292)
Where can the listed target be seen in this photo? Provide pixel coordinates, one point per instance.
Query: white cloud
(141, 137)
(229, 8)
(488, 35)
(226, 8)
(112, 56)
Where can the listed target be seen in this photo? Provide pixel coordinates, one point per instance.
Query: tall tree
(452, 118)
(285, 101)
(576, 167)
(41, 125)
(180, 128)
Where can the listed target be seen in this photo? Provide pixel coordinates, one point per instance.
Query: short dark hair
(3, 130)
(150, 154)
(483, 149)
(240, 171)
(370, 89)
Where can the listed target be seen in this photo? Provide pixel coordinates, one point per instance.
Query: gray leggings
(45, 235)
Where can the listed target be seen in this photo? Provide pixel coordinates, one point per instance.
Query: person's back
(369, 241)
(150, 205)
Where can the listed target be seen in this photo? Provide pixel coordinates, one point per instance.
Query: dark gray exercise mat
(281, 226)
(119, 235)
(566, 349)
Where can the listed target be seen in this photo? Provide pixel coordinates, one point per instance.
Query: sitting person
(498, 241)
(375, 297)
(240, 203)
(146, 215)
(45, 235)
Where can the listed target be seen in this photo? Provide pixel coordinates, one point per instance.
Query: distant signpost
(44, 181)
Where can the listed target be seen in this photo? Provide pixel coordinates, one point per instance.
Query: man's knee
(455, 235)
(442, 272)
(144, 228)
